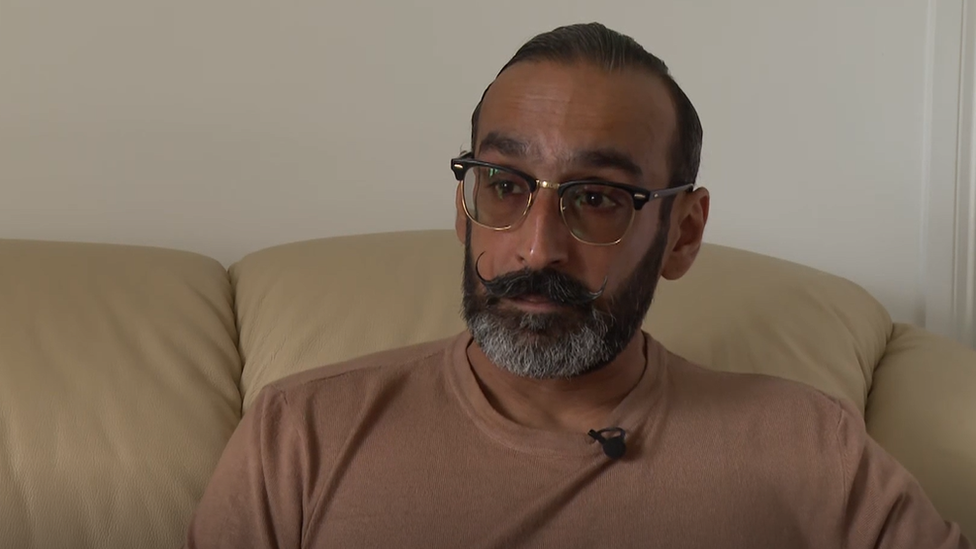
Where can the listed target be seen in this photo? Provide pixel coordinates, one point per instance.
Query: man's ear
(688, 219)
(460, 219)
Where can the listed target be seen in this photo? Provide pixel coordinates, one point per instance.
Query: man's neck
(576, 404)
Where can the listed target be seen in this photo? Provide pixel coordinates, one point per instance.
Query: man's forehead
(538, 107)
(605, 156)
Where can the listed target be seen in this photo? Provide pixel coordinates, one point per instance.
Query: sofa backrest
(122, 369)
(118, 392)
(324, 301)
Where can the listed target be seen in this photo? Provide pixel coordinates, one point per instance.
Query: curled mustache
(553, 285)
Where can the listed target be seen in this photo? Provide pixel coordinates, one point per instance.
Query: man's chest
(495, 498)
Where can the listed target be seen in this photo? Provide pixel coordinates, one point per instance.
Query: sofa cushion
(319, 302)
(323, 301)
(922, 409)
(744, 312)
(118, 392)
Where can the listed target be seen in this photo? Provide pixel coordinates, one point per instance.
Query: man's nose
(543, 237)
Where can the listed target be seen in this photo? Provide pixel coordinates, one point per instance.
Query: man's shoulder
(753, 396)
(785, 432)
(418, 360)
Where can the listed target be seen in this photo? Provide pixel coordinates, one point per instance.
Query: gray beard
(520, 342)
(565, 344)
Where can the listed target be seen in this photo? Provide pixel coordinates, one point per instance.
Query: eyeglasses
(595, 211)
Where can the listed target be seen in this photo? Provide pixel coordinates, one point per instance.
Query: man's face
(561, 122)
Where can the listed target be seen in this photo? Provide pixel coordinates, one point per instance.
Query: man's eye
(506, 187)
(595, 199)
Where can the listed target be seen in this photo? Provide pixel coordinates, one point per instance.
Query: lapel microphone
(613, 445)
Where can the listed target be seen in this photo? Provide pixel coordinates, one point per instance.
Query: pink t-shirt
(402, 449)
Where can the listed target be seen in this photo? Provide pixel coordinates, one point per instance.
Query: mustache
(551, 284)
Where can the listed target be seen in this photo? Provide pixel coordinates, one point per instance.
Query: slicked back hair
(596, 44)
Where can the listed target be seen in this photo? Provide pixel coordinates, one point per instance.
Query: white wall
(227, 126)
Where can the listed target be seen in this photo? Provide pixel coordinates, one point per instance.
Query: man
(554, 421)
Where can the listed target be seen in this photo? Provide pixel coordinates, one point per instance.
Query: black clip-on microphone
(613, 446)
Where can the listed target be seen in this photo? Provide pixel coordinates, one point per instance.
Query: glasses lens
(495, 197)
(599, 214)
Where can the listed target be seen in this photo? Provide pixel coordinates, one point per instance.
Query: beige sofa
(123, 370)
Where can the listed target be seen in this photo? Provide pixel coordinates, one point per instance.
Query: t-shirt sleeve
(255, 497)
(885, 507)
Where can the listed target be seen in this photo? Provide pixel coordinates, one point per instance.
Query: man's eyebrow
(504, 145)
(607, 158)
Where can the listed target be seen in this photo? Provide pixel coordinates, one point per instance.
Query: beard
(589, 333)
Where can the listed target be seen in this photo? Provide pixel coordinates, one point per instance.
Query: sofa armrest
(922, 409)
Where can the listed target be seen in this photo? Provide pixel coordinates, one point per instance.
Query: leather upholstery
(922, 409)
(734, 311)
(307, 304)
(118, 390)
(121, 367)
